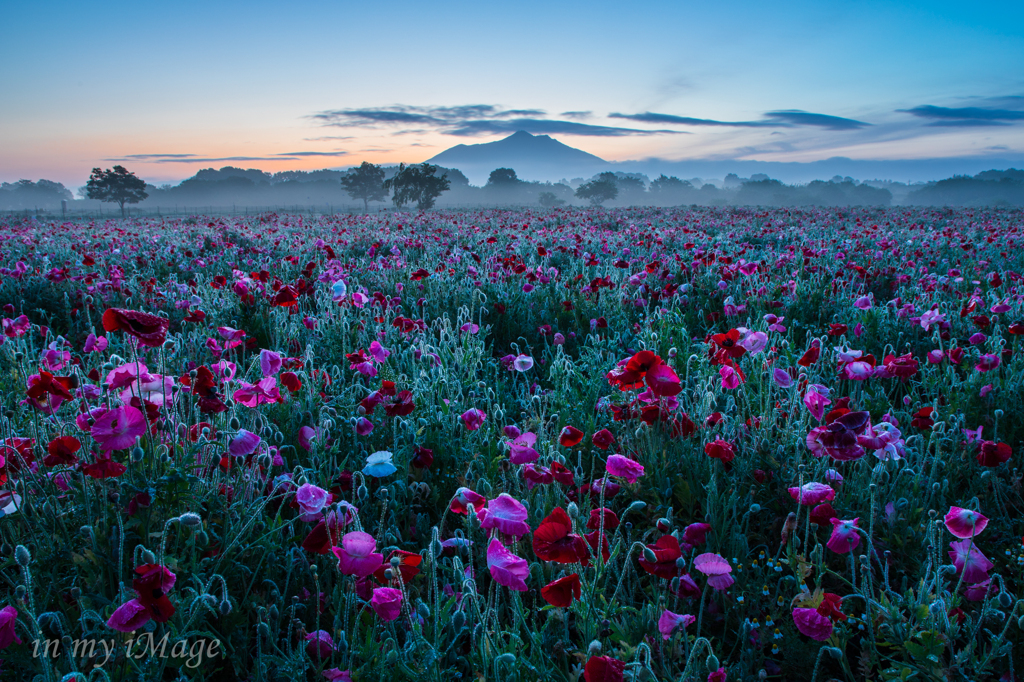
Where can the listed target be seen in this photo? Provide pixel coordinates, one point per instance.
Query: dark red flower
(666, 552)
(62, 451)
(604, 669)
(152, 584)
(720, 449)
(902, 367)
(992, 454)
(291, 381)
(603, 439)
(422, 457)
(922, 419)
(150, 330)
(561, 592)
(562, 474)
(570, 437)
(611, 521)
(408, 566)
(286, 297)
(554, 540)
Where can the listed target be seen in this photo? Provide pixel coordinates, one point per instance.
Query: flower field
(631, 444)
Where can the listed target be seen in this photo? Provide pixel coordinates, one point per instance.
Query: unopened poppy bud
(573, 511)
(19, 592)
(19, 356)
(754, 508)
(76, 593)
(22, 556)
(362, 493)
(389, 574)
(712, 663)
(137, 454)
(458, 620)
(1005, 600)
(148, 557)
(224, 607)
(234, 423)
(649, 556)
(664, 524)
(190, 519)
(594, 648)
(263, 630)
(392, 658)
(423, 610)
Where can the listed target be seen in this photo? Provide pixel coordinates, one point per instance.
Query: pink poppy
(987, 363)
(816, 402)
(663, 381)
(506, 514)
(386, 602)
(754, 342)
(730, 379)
(812, 624)
(844, 538)
(812, 493)
(696, 533)
(356, 555)
(95, 344)
(311, 500)
(244, 443)
(603, 439)
(507, 568)
(782, 378)
(263, 392)
(117, 429)
(337, 675)
(521, 449)
(969, 560)
(716, 568)
(522, 363)
(307, 434)
(669, 622)
(465, 497)
(623, 467)
(270, 363)
(964, 523)
(473, 418)
(319, 645)
(8, 635)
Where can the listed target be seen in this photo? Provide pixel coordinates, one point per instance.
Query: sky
(167, 89)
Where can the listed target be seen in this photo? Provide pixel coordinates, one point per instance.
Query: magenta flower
(845, 537)
(969, 560)
(863, 303)
(816, 402)
(812, 493)
(379, 352)
(696, 533)
(507, 568)
(473, 418)
(129, 616)
(307, 434)
(319, 645)
(716, 568)
(670, 622)
(118, 428)
(8, 636)
(95, 344)
(338, 675)
(964, 523)
(987, 363)
(754, 342)
(263, 392)
(356, 555)
(386, 602)
(730, 378)
(812, 624)
(506, 514)
(270, 363)
(624, 467)
(521, 449)
(782, 378)
(244, 443)
(465, 497)
(663, 381)
(311, 500)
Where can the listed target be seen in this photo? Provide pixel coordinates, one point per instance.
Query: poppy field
(580, 444)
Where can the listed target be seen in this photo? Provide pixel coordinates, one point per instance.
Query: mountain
(532, 157)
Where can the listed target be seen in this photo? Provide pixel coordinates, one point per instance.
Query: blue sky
(169, 89)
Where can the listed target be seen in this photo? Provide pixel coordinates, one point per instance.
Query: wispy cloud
(969, 117)
(577, 115)
(787, 118)
(470, 121)
(328, 137)
(196, 158)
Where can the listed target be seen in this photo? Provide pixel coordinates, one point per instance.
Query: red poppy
(62, 451)
(837, 329)
(611, 521)
(554, 540)
(666, 552)
(720, 449)
(150, 584)
(562, 474)
(286, 297)
(725, 346)
(902, 367)
(810, 357)
(570, 437)
(291, 381)
(400, 405)
(992, 454)
(46, 383)
(923, 418)
(104, 468)
(604, 669)
(422, 457)
(150, 330)
(408, 566)
(561, 592)
(830, 607)
(603, 439)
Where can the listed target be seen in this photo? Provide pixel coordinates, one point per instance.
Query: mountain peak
(533, 157)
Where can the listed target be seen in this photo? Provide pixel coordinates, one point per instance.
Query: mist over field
(512, 342)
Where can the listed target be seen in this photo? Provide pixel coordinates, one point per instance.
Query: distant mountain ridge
(533, 157)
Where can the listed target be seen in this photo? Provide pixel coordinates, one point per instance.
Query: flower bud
(190, 519)
(712, 663)
(22, 556)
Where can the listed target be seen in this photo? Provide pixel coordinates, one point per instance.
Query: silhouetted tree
(600, 189)
(417, 183)
(116, 186)
(549, 200)
(503, 177)
(366, 183)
